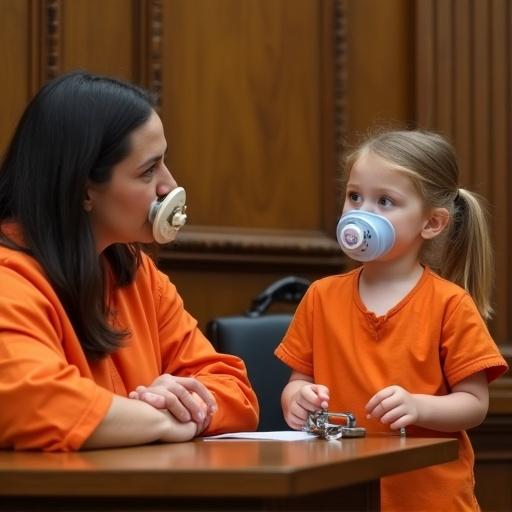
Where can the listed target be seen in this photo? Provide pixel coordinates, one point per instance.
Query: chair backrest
(253, 337)
(254, 340)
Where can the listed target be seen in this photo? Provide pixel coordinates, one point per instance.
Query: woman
(96, 349)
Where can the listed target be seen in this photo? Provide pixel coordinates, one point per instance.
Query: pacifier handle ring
(357, 233)
(168, 215)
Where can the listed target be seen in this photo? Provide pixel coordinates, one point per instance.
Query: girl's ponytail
(468, 254)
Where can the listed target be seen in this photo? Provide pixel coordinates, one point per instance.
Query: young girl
(393, 342)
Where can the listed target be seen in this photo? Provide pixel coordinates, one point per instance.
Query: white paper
(283, 435)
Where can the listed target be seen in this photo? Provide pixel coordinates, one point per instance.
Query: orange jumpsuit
(427, 343)
(53, 398)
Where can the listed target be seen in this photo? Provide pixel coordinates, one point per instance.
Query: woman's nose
(166, 183)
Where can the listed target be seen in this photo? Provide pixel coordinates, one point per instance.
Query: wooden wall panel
(100, 36)
(493, 449)
(15, 58)
(40, 39)
(242, 104)
(249, 109)
(463, 89)
(464, 83)
(241, 101)
(229, 290)
(379, 67)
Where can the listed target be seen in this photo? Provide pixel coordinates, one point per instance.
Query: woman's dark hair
(75, 129)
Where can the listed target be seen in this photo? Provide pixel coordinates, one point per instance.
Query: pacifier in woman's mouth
(168, 215)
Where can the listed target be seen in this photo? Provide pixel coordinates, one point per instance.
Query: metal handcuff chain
(318, 423)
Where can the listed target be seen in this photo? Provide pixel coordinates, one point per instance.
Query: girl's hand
(307, 399)
(394, 406)
(186, 398)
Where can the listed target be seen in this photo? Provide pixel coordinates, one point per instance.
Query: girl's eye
(385, 201)
(354, 197)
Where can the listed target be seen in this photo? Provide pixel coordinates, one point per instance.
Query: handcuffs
(318, 423)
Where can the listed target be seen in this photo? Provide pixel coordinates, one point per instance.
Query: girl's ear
(435, 224)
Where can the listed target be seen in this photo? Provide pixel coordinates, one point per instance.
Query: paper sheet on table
(282, 435)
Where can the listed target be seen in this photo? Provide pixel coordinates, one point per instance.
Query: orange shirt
(53, 398)
(428, 342)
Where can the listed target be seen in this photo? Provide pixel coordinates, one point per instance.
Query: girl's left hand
(185, 398)
(394, 406)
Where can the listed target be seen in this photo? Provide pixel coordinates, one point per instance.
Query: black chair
(253, 337)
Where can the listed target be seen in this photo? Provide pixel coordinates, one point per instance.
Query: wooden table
(216, 475)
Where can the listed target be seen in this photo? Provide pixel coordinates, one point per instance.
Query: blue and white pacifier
(365, 236)
(168, 215)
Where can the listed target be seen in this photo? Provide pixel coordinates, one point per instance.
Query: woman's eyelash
(150, 170)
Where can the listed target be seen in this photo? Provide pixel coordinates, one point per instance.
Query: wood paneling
(233, 286)
(15, 56)
(493, 450)
(463, 89)
(248, 102)
(40, 39)
(242, 105)
(100, 36)
(380, 65)
(463, 85)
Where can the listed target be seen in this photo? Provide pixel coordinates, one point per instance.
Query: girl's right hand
(308, 398)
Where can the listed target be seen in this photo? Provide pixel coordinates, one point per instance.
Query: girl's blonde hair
(463, 254)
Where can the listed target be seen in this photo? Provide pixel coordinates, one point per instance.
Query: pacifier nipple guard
(168, 215)
(365, 236)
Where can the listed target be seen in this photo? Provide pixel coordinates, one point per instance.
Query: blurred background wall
(259, 100)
